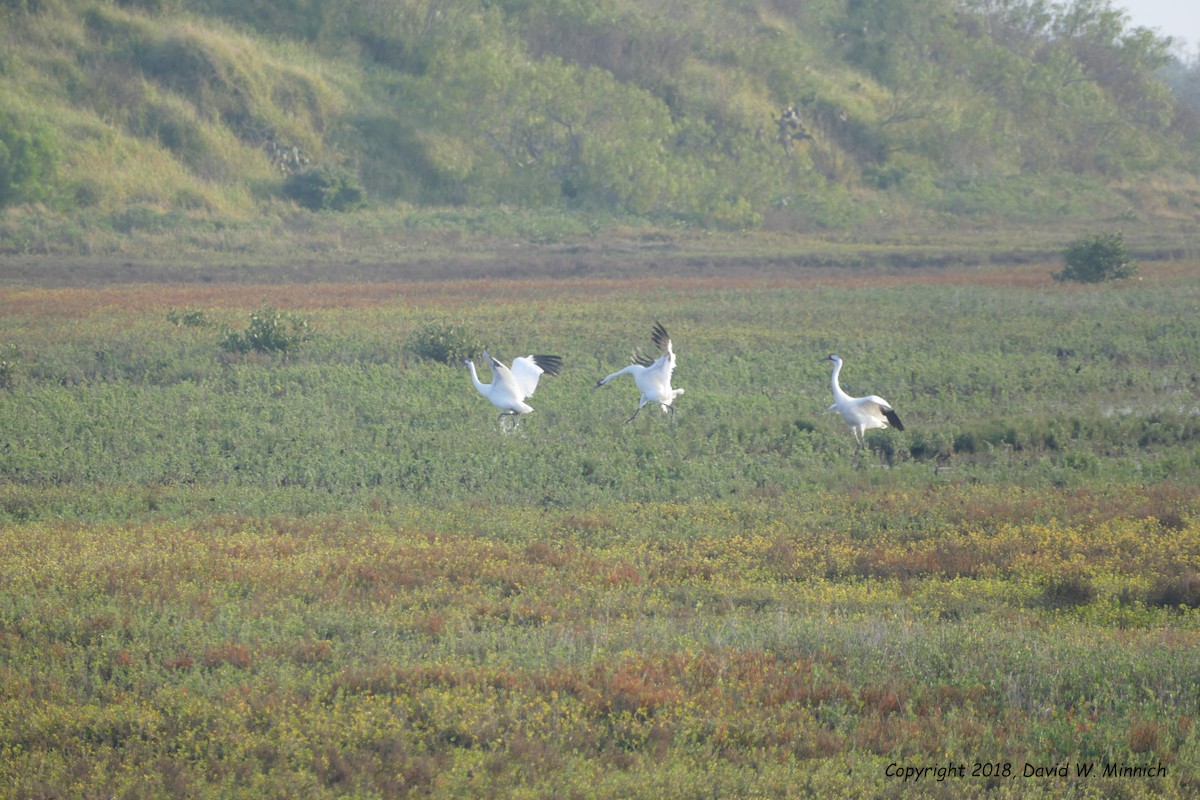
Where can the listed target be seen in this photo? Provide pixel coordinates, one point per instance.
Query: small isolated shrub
(448, 344)
(190, 318)
(324, 189)
(270, 331)
(1096, 258)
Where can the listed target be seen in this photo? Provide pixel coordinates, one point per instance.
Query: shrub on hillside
(324, 189)
(26, 163)
(1096, 258)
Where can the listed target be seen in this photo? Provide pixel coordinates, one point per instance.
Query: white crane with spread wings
(510, 387)
(653, 377)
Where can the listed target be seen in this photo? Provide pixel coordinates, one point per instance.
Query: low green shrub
(444, 343)
(1097, 258)
(324, 189)
(270, 331)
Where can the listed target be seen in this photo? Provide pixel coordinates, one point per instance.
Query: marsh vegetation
(324, 570)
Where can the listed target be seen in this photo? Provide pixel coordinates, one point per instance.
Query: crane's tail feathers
(892, 419)
(551, 365)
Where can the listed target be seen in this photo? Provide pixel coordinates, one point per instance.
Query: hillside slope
(144, 114)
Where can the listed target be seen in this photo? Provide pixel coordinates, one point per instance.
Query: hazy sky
(1179, 19)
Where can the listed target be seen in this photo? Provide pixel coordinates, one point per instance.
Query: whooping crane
(510, 387)
(653, 377)
(861, 413)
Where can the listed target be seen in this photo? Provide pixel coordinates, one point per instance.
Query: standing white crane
(861, 413)
(653, 377)
(510, 387)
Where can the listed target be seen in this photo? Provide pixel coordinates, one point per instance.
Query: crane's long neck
(838, 394)
(484, 389)
(632, 369)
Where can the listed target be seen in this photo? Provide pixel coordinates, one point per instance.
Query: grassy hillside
(218, 123)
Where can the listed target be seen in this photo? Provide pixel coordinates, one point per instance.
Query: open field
(326, 572)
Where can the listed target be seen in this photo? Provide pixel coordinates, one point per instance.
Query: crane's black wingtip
(893, 419)
(551, 365)
(641, 359)
(660, 336)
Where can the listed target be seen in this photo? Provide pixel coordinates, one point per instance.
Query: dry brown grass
(83, 301)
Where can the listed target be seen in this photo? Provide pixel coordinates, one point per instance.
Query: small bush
(324, 189)
(270, 331)
(191, 318)
(448, 344)
(26, 164)
(1096, 258)
(142, 218)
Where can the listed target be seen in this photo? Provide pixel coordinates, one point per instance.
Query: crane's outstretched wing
(661, 338)
(527, 369)
(664, 363)
(505, 390)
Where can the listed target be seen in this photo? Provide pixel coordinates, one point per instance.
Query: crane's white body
(861, 413)
(510, 387)
(653, 378)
